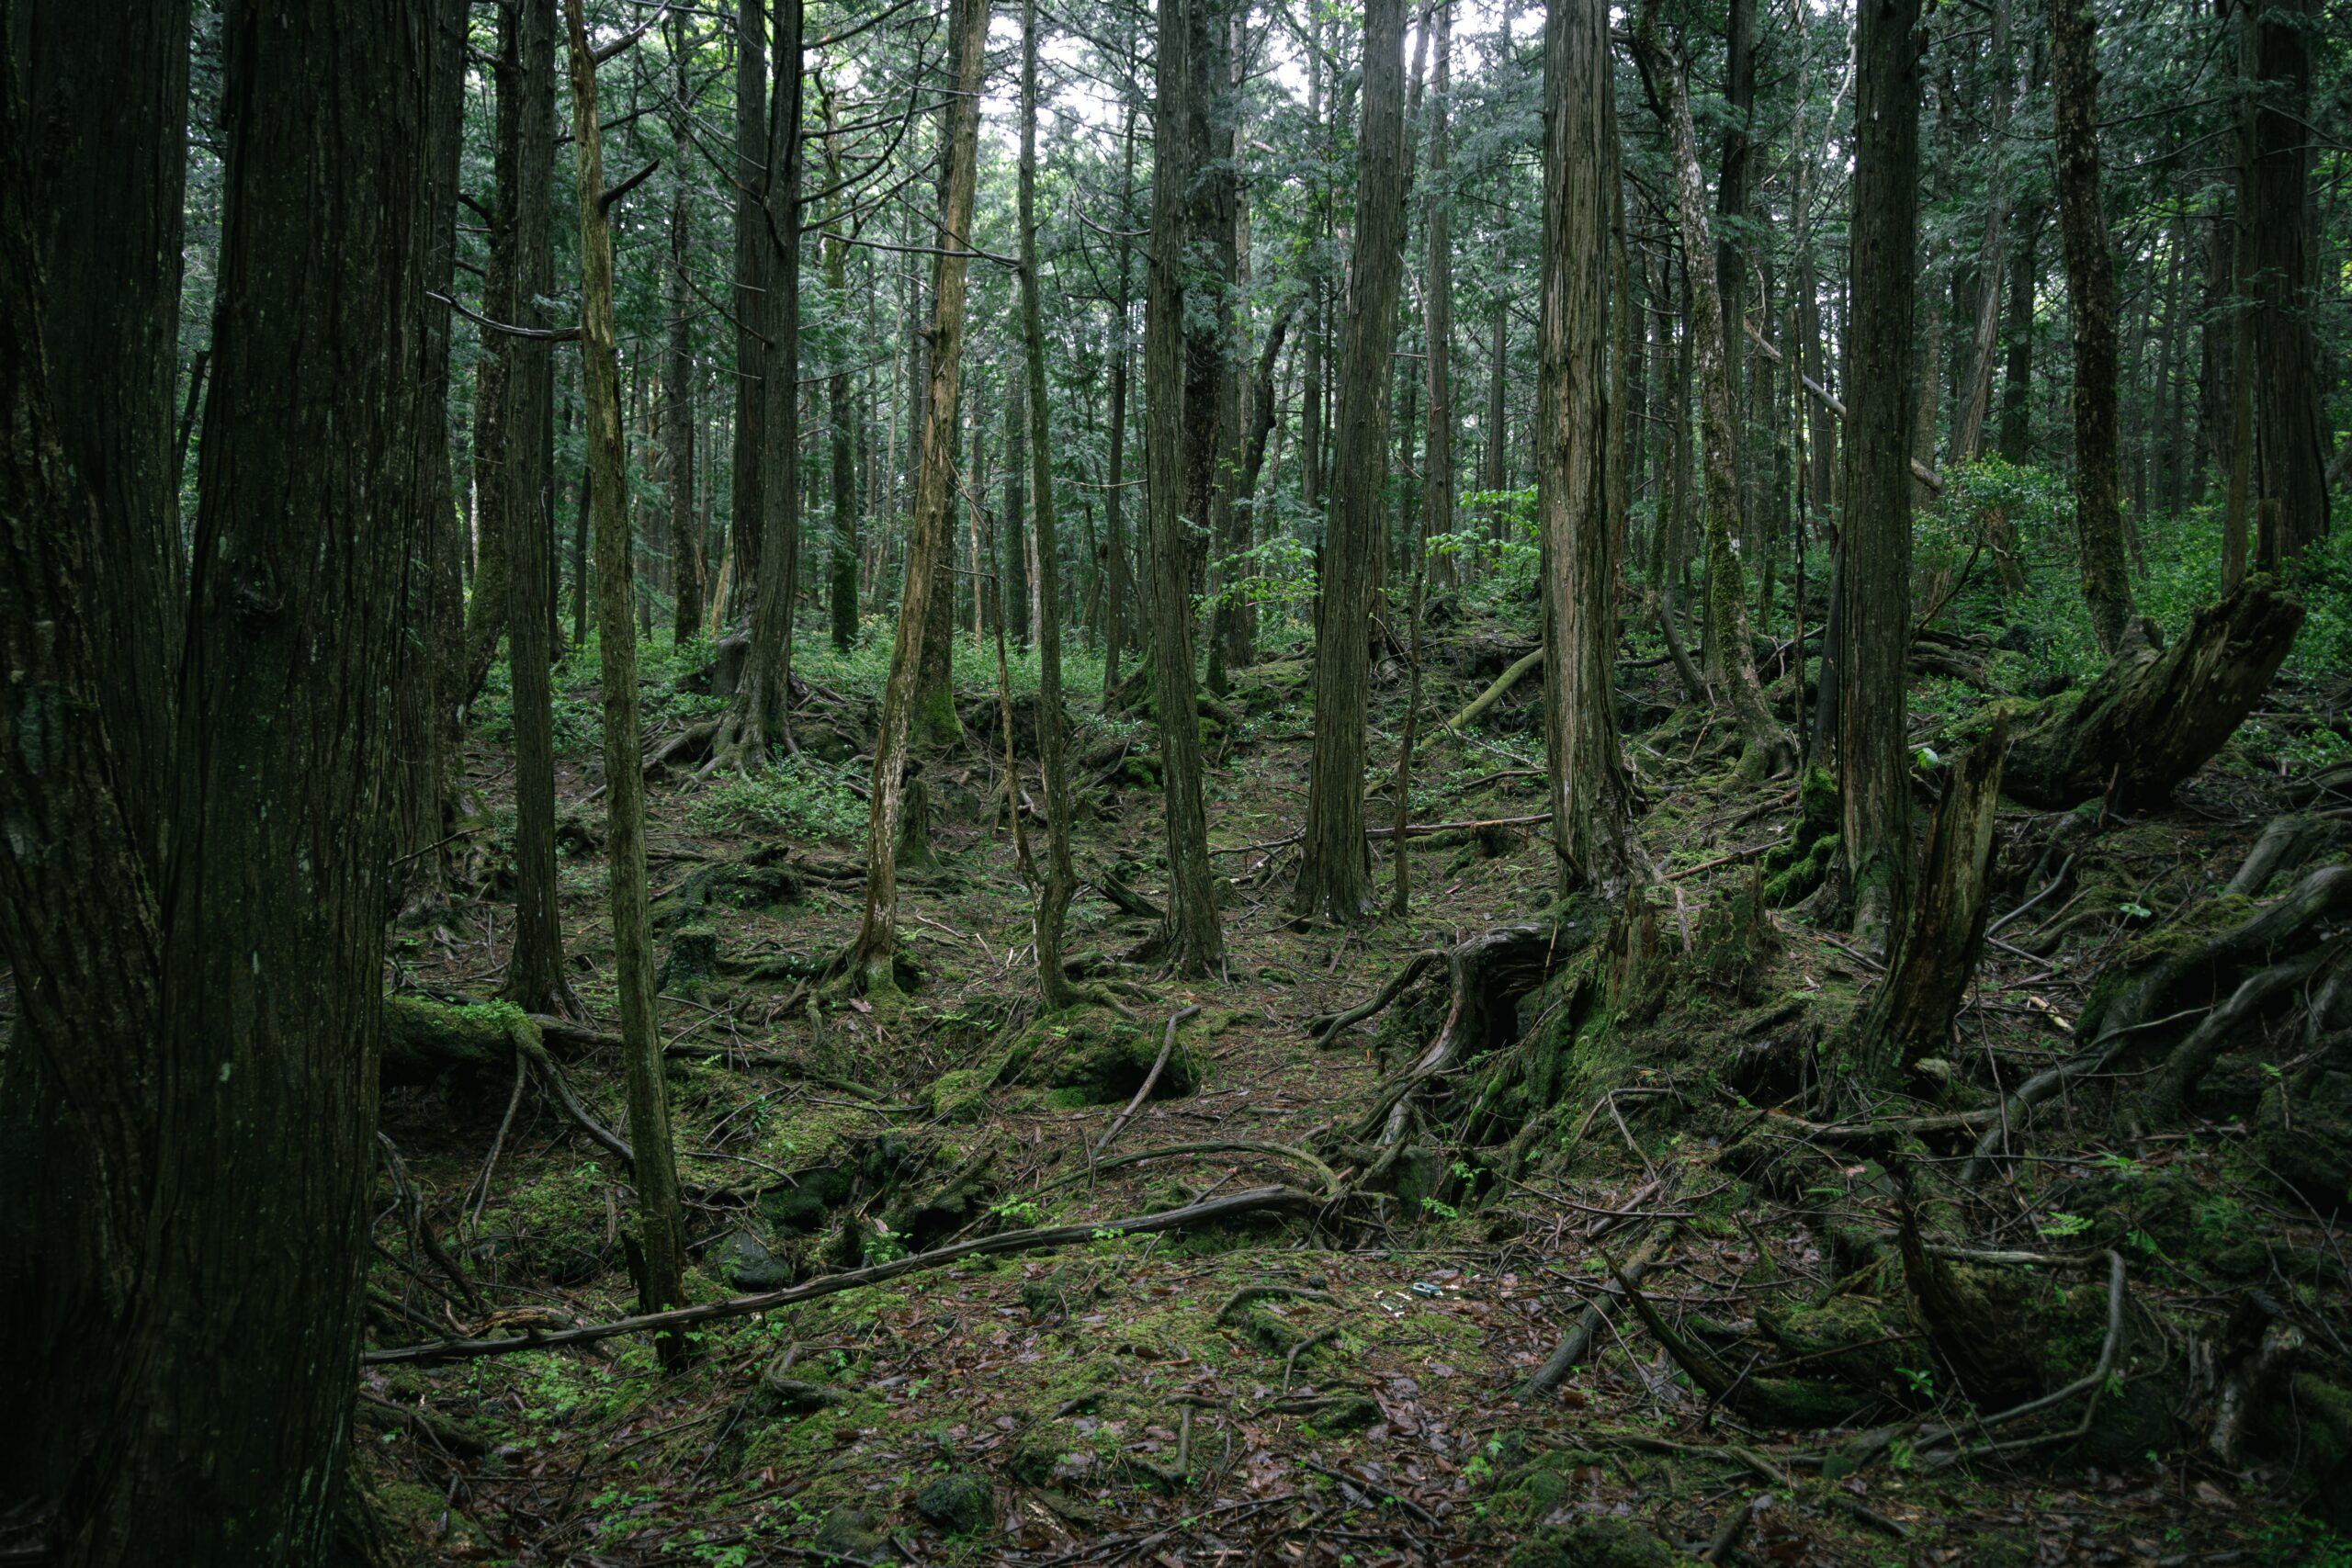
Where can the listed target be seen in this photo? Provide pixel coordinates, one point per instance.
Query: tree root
(1256, 1199)
(1328, 1025)
(1572, 1349)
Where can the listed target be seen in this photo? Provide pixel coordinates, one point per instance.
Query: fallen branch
(1257, 1199)
(1279, 1151)
(1572, 1349)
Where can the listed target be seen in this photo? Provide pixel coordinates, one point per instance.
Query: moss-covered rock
(760, 879)
(1794, 868)
(425, 1041)
(1098, 1054)
(959, 1503)
(1845, 1338)
(960, 1094)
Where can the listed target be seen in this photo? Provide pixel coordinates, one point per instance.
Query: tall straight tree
(840, 415)
(198, 1005)
(759, 716)
(678, 368)
(1591, 791)
(1335, 871)
(2090, 302)
(653, 1168)
(872, 958)
(1192, 939)
(1437, 302)
(1114, 605)
(751, 246)
(1061, 878)
(535, 971)
(1730, 657)
(2295, 431)
(1875, 576)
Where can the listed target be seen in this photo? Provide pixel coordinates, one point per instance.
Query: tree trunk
(1976, 402)
(487, 595)
(2153, 717)
(2295, 431)
(678, 366)
(1114, 609)
(871, 959)
(535, 978)
(1731, 661)
(1437, 311)
(1874, 755)
(1193, 942)
(751, 253)
(1591, 790)
(661, 1269)
(1335, 871)
(937, 725)
(2090, 296)
(759, 716)
(843, 416)
(198, 1005)
(1061, 876)
(2016, 374)
(1935, 956)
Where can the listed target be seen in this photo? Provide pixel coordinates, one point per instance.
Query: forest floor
(1342, 1389)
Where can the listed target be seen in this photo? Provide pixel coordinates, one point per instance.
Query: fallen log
(2155, 716)
(1257, 1199)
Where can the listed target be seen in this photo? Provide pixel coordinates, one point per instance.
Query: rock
(847, 1536)
(958, 1502)
(744, 1262)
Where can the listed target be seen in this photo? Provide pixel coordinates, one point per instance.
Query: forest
(1244, 781)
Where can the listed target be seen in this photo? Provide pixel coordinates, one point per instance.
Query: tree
(661, 1263)
(197, 1008)
(1592, 791)
(1193, 943)
(2090, 298)
(872, 957)
(535, 978)
(1730, 657)
(751, 249)
(1875, 576)
(1335, 870)
(759, 716)
(1437, 302)
(1061, 878)
(2295, 431)
(840, 407)
(678, 365)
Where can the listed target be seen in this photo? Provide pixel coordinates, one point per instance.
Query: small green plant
(1020, 1210)
(1922, 1380)
(1443, 1211)
(2060, 1223)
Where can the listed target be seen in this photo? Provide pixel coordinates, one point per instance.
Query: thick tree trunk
(1731, 661)
(1873, 753)
(751, 252)
(2295, 431)
(2153, 717)
(204, 1027)
(487, 594)
(759, 716)
(535, 977)
(1976, 400)
(937, 725)
(661, 1236)
(1335, 871)
(1194, 944)
(1437, 310)
(2090, 296)
(1592, 791)
(872, 958)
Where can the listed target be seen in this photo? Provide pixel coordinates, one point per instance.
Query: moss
(1098, 1054)
(423, 1514)
(424, 1040)
(2311, 1148)
(1795, 867)
(959, 1503)
(2314, 1425)
(1854, 1326)
(1599, 1543)
(962, 1094)
(1527, 1499)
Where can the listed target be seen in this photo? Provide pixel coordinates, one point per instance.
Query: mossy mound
(1795, 868)
(2314, 1425)
(1845, 1338)
(959, 1503)
(1600, 1543)
(424, 1041)
(760, 879)
(1099, 1056)
(2303, 1131)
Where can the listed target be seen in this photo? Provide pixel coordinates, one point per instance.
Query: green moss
(424, 1039)
(2315, 1426)
(1795, 867)
(962, 1094)
(1852, 1327)
(1098, 1054)
(1600, 1543)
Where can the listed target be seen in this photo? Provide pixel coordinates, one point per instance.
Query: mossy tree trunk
(872, 957)
(661, 1226)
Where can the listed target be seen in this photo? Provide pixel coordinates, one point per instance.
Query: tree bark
(678, 368)
(2017, 372)
(840, 408)
(1591, 790)
(872, 958)
(1731, 661)
(1335, 871)
(1437, 308)
(1873, 753)
(751, 251)
(2090, 296)
(200, 1006)
(535, 978)
(1115, 607)
(661, 1236)
(1061, 876)
(2295, 431)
